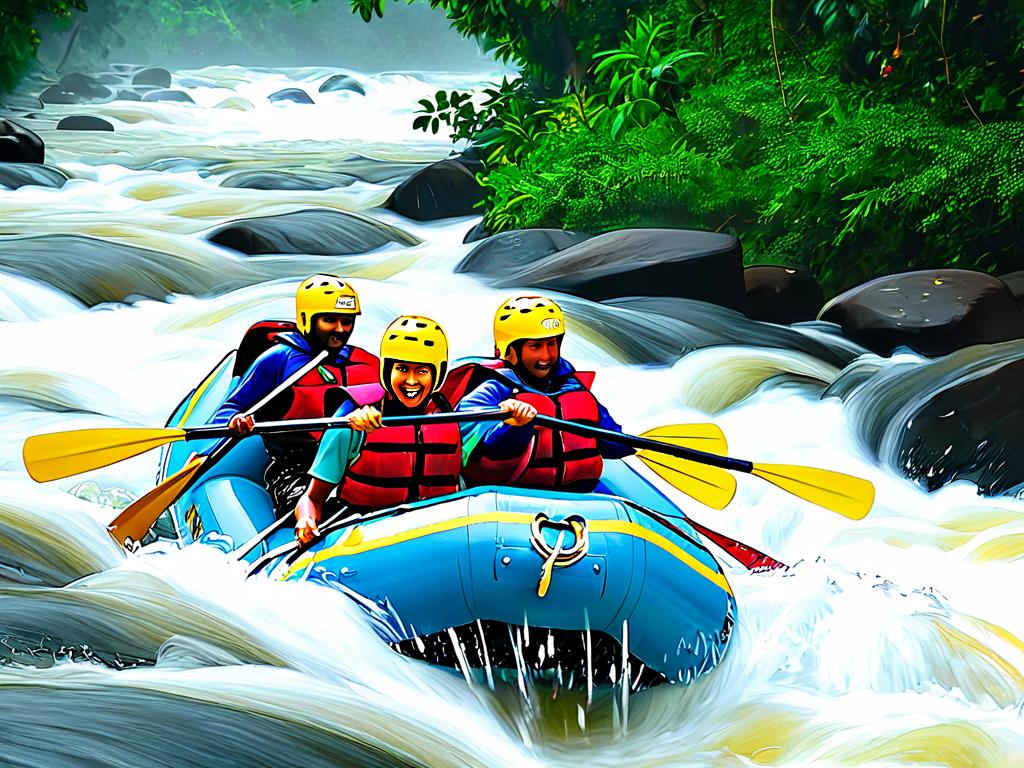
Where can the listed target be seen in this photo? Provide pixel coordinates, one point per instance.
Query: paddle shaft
(725, 462)
(331, 422)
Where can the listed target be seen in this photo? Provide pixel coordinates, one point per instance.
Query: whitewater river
(890, 641)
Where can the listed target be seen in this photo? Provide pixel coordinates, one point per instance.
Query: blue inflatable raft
(604, 588)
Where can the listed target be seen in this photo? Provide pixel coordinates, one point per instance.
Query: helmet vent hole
(428, 343)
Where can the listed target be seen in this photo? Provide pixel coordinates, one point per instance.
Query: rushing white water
(891, 641)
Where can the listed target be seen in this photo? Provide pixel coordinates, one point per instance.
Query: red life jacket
(398, 465)
(320, 391)
(553, 460)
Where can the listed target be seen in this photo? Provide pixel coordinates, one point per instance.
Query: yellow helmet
(323, 295)
(415, 339)
(526, 317)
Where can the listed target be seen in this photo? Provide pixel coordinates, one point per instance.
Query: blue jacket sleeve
(269, 370)
(495, 439)
(609, 448)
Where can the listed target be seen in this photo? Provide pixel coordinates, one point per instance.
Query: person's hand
(307, 515)
(365, 419)
(241, 424)
(520, 413)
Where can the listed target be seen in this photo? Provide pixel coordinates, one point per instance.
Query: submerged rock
(84, 123)
(296, 95)
(236, 102)
(642, 262)
(778, 294)
(19, 144)
(298, 179)
(169, 95)
(315, 231)
(157, 76)
(503, 254)
(15, 175)
(933, 312)
(439, 191)
(126, 95)
(342, 83)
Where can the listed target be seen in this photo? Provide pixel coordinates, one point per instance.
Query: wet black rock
(19, 145)
(298, 179)
(781, 294)
(505, 253)
(15, 175)
(84, 123)
(341, 83)
(477, 233)
(168, 95)
(76, 88)
(126, 95)
(932, 312)
(439, 191)
(296, 95)
(688, 264)
(1015, 282)
(315, 231)
(470, 159)
(157, 76)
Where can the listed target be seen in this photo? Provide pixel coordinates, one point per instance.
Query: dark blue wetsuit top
(498, 440)
(271, 368)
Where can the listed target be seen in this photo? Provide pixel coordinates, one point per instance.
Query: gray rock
(296, 95)
(19, 145)
(314, 231)
(15, 175)
(341, 83)
(84, 123)
(168, 95)
(933, 312)
(126, 95)
(439, 191)
(157, 76)
(642, 262)
(76, 88)
(504, 254)
(781, 294)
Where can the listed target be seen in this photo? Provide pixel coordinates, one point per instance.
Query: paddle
(844, 494)
(141, 514)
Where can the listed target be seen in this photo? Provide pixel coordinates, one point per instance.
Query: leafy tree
(19, 37)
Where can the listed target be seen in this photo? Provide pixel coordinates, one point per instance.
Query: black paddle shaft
(633, 441)
(319, 425)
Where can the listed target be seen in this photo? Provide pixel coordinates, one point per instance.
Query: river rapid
(891, 641)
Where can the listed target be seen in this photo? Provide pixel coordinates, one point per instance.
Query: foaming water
(894, 640)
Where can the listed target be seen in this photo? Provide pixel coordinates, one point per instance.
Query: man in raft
(528, 333)
(326, 307)
(374, 466)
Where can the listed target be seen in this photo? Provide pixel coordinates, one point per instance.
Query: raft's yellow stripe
(521, 518)
(199, 392)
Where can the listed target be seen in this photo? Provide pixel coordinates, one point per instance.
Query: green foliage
(19, 38)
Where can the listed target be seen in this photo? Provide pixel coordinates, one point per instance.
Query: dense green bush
(19, 38)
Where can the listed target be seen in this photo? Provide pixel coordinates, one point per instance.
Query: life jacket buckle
(559, 555)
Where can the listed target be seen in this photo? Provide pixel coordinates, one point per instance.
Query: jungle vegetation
(855, 137)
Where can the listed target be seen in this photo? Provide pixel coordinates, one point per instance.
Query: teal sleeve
(338, 448)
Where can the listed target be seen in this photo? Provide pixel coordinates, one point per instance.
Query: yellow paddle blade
(140, 515)
(846, 495)
(711, 486)
(62, 454)
(702, 437)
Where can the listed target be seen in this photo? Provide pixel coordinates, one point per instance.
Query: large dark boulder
(642, 262)
(470, 159)
(15, 175)
(1015, 282)
(76, 88)
(296, 95)
(439, 191)
(157, 76)
(316, 231)
(19, 145)
(933, 312)
(84, 123)
(297, 179)
(781, 294)
(341, 83)
(503, 254)
(477, 233)
(165, 94)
